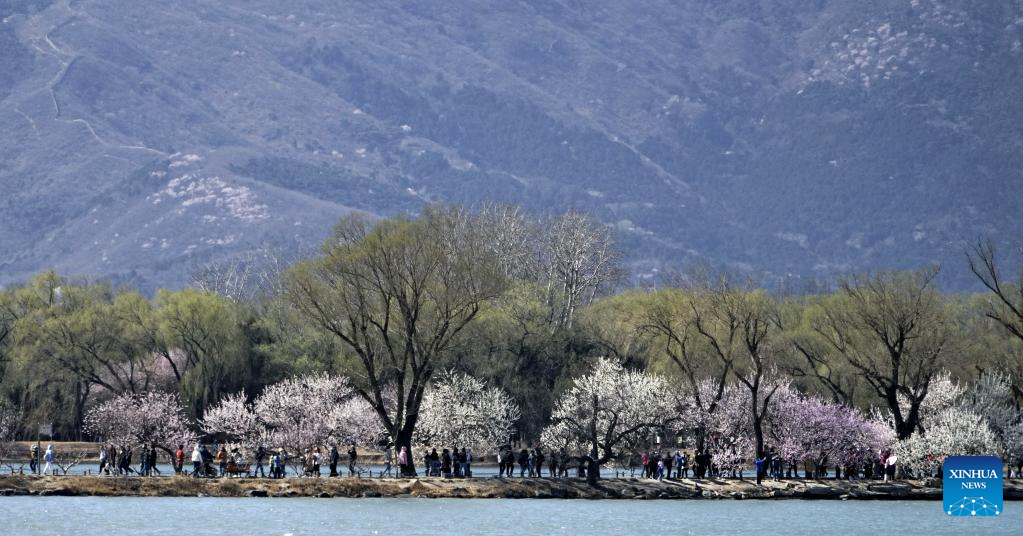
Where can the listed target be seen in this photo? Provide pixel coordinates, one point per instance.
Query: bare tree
(577, 259)
(739, 324)
(244, 277)
(1006, 303)
(895, 330)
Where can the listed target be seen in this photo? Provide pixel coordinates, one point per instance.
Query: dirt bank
(540, 488)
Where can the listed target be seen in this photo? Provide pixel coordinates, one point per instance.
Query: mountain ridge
(787, 139)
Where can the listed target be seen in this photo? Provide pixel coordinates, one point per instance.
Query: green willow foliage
(877, 340)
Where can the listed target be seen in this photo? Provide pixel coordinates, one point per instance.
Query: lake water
(100, 516)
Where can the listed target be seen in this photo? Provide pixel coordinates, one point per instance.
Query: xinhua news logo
(972, 486)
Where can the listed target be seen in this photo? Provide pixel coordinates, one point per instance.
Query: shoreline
(480, 488)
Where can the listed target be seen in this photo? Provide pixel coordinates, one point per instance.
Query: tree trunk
(404, 439)
(758, 427)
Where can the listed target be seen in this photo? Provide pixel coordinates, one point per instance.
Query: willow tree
(742, 327)
(397, 294)
(896, 331)
(671, 321)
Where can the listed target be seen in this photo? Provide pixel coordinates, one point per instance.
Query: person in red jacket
(179, 459)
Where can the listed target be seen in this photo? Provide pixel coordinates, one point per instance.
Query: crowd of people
(222, 460)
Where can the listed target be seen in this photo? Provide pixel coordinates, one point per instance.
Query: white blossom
(460, 410)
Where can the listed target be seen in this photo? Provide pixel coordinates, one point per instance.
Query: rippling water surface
(411, 516)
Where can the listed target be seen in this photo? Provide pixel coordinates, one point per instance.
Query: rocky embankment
(538, 488)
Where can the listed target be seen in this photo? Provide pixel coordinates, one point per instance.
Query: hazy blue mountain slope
(789, 138)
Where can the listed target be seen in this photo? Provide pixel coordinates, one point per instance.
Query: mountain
(790, 139)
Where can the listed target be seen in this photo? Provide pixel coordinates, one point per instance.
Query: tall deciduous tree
(397, 294)
(895, 330)
(673, 320)
(1006, 303)
(577, 259)
(740, 326)
(204, 329)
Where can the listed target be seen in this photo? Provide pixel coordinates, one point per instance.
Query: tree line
(532, 306)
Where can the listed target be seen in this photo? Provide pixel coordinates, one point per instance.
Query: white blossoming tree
(606, 409)
(952, 432)
(961, 421)
(131, 420)
(461, 410)
(296, 414)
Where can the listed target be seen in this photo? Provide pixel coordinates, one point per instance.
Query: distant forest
(526, 305)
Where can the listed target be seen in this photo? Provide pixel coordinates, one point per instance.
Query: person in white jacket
(48, 457)
(196, 461)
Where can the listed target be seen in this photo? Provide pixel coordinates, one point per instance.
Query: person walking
(388, 458)
(48, 458)
(466, 461)
(260, 456)
(102, 459)
(196, 462)
(179, 460)
(353, 455)
(151, 462)
(112, 461)
(125, 462)
(33, 462)
(403, 461)
(144, 461)
(889, 467)
(445, 464)
(275, 466)
(221, 459)
(333, 458)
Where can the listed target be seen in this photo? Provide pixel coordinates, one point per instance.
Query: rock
(738, 495)
(325, 495)
(372, 494)
(821, 492)
(894, 490)
(285, 493)
(256, 493)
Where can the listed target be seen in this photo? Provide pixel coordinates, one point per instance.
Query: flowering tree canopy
(297, 413)
(957, 421)
(461, 410)
(607, 408)
(808, 428)
(135, 419)
(952, 432)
